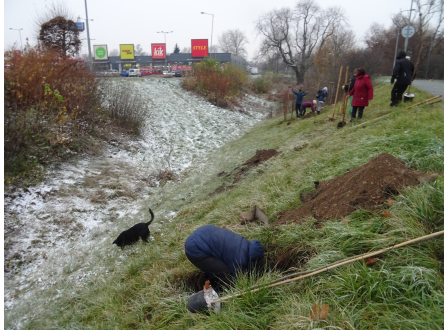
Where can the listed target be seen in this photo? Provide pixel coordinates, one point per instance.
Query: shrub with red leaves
(45, 96)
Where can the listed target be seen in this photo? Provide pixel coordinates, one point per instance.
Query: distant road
(434, 87)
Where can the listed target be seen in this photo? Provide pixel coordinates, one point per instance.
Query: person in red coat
(362, 93)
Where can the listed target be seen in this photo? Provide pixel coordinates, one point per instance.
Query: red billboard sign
(158, 51)
(199, 47)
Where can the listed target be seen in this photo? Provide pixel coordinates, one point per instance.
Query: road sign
(408, 31)
(80, 26)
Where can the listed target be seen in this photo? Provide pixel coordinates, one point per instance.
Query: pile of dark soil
(367, 187)
(238, 172)
(260, 157)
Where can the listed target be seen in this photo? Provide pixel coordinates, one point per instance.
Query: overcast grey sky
(137, 22)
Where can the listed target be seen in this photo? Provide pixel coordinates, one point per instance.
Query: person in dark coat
(404, 74)
(362, 92)
(350, 87)
(299, 99)
(221, 254)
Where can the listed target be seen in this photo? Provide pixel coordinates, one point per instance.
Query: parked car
(178, 73)
(135, 73)
(111, 73)
(124, 73)
(146, 72)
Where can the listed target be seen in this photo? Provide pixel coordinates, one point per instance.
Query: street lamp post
(211, 39)
(396, 47)
(20, 35)
(88, 36)
(164, 33)
(407, 35)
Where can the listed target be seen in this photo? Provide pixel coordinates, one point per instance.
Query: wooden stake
(285, 105)
(434, 102)
(337, 91)
(343, 262)
(292, 106)
(367, 122)
(344, 104)
(425, 101)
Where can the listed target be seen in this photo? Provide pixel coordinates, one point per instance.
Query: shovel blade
(341, 124)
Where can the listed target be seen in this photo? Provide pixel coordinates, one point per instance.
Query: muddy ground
(367, 187)
(239, 172)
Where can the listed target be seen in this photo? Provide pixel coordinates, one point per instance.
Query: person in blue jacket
(299, 99)
(221, 254)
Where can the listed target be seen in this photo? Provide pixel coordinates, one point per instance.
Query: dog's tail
(152, 217)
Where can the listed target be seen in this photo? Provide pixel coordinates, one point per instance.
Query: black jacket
(403, 70)
(352, 83)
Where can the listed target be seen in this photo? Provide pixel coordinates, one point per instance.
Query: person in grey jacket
(404, 75)
(321, 96)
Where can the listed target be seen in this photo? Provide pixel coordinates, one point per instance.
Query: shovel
(344, 106)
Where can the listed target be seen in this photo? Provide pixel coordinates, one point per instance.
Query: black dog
(133, 234)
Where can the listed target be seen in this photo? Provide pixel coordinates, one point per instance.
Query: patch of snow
(53, 230)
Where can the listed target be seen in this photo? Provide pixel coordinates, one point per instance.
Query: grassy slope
(401, 291)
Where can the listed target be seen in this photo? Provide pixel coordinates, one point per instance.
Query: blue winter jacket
(299, 97)
(323, 95)
(236, 251)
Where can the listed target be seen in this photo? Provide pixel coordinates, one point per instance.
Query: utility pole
(211, 39)
(20, 35)
(409, 23)
(166, 48)
(88, 36)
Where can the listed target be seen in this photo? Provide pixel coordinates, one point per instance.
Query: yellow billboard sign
(127, 52)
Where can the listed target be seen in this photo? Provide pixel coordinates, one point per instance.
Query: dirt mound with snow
(367, 187)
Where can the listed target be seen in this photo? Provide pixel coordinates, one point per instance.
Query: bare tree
(425, 35)
(297, 34)
(233, 41)
(186, 50)
(139, 51)
(333, 53)
(438, 8)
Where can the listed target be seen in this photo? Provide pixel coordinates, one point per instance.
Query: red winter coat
(362, 91)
